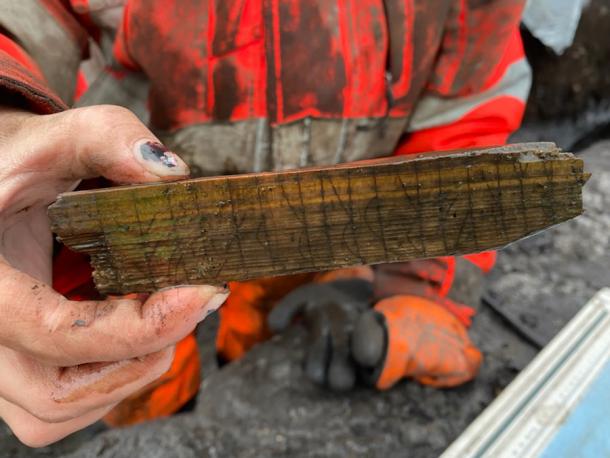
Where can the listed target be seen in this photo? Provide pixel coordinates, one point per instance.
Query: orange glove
(166, 395)
(415, 330)
(424, 342)
(424, 324)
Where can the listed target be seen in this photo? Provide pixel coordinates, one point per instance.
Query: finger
(318, 350)
(104, 140)
(36, 433)
(341, 370)
(369, 339)
(38, 321)
(358, 291)
(56, 395)
(290, 306)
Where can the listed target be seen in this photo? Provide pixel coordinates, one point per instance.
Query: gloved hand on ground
(64, 364)
(330, 311)
(415, 329)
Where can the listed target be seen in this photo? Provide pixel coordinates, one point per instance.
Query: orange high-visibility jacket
(253, 85)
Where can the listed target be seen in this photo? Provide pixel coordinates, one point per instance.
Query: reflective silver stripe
(261, 147)
(51, 47)
(433, 111)
(305, 143)
(96, 5)
(342, 142)
(254, 145)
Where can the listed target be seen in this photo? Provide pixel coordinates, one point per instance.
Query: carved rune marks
(296, 222)
(218, 229)
(340, 213)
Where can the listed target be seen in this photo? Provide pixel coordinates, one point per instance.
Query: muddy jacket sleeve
(480, 84)
(41, 46)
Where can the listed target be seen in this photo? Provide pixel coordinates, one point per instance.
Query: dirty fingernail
(215, 301)
(158, 160)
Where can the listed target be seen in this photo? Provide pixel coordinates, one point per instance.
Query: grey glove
(330, 312)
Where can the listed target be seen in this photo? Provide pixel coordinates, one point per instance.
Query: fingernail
(214, 303)
(218, 299)
(158, 160)
(213, 294)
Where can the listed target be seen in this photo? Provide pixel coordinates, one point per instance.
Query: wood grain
(212, 230)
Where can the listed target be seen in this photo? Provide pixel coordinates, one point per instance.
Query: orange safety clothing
(425, 342)
(383, 77)
(167, 394)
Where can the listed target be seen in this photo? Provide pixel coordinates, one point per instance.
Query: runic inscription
(211, 230)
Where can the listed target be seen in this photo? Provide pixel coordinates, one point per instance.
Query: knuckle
(103, 120)
(69, 122)
(57, 326)
(56, 313)
(104, 115)
(107, 128)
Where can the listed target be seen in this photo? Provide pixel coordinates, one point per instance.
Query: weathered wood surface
(211, 230)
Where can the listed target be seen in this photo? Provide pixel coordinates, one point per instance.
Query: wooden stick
(212, 230)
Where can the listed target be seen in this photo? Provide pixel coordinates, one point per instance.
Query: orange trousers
(243, 323)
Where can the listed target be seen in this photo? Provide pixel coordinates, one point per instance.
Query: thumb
(103, 140)
(369, 339)
(282, 315)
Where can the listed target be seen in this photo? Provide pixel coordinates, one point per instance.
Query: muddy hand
(330, 311)
(64, 364)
